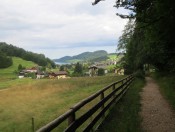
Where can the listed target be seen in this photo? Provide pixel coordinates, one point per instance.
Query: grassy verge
(167, 86)
(124, 117)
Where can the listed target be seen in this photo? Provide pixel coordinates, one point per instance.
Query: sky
(58, 28)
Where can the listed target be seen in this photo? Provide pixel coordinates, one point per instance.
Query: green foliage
(101, 72)
(5, 61)
(78, 71)
(124, 116)
(167, 86)
(149, 39)
(61, 68)
(140, 74)
(20, 67)
(31, 75)
(11, 50)
(43, 68)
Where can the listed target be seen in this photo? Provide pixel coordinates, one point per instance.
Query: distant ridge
(99, 55)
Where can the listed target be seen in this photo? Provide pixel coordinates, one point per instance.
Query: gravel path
(156, 113)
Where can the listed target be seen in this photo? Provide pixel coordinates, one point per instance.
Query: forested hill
(8, 50)
(86, 56)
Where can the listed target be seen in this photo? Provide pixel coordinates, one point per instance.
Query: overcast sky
(58, 28)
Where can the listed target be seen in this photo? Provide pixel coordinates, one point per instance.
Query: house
(34, 70)
(93, 70)
(52, 75)
(40, 75)
(31, 70)
(119, 71)
(61, 74)
(21, 75)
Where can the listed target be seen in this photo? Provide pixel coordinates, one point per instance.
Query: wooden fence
(119, 88)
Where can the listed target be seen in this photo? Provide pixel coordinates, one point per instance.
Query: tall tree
(78, 71)
(153, 40)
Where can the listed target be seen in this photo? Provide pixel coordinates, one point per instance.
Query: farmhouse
(21, 75)
(93, 70)
(61, 74)
(31, 70)
(120, 71)
(40, 75)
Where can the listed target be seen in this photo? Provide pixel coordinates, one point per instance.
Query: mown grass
(45, 100)
(166, 83)
(124, 116)
(8, 76)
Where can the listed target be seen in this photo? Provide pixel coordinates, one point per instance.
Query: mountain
(99, 55)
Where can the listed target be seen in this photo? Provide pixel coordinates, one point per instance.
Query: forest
(148, 38)
(7, 51)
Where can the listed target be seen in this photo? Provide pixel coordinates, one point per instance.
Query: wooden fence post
(102, 107)
(113, 88)
(33, 124)
(71, 118)
(102, 97)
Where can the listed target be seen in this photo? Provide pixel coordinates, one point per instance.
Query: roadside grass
(45, 100)
(8, 76)
(124, 116)
(167, 86)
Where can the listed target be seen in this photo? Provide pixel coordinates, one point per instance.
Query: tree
(152, 41)
(5, 61)
(61, 68)
(101, 72)
(20, 67)
(78, 71)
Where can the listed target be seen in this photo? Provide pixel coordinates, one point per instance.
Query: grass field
(44, 100)
(7, 75)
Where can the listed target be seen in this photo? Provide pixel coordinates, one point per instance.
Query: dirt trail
(156, 113)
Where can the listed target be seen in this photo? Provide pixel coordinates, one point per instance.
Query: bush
(140, 74)
(101, 72)
(32, 75)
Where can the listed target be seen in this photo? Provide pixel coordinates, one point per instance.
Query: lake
(61, 63)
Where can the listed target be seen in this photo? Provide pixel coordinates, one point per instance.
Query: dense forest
(148, 38)
(7, 51)
(5, 61)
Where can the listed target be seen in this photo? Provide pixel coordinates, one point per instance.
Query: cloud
(59, 24)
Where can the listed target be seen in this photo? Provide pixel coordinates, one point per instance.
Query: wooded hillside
(8, 51)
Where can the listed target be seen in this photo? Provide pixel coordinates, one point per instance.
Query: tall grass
(166, 83)
(45, 100)
(124, 116)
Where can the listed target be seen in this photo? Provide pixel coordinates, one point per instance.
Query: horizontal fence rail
(119, 88)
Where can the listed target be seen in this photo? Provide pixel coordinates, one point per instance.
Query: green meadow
(9, 78)
(44, 100)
